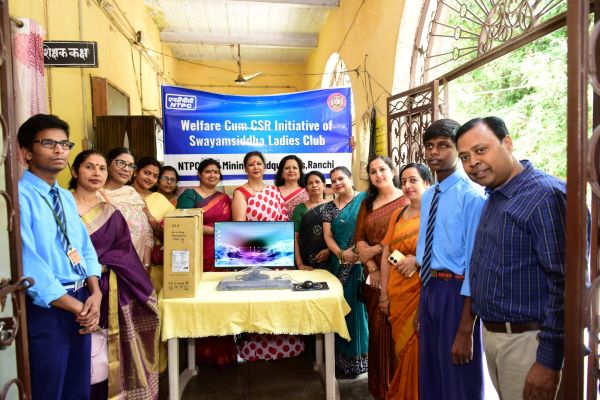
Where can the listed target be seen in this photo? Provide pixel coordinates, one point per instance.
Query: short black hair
(37, 123)
(210, 161)
(319, 175)
(495, 124)
(145, 161)
(314, 173)
(116, 152)
(251, 154)
(341, 169)
(166, 168)
(445, 127)
(422, 169)
(79, 159)
(279, 181)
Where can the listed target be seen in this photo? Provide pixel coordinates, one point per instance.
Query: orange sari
(404, 301)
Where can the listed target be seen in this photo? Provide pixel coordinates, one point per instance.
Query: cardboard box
(183, 253)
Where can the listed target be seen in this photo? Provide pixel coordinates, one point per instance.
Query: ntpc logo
(180, 102)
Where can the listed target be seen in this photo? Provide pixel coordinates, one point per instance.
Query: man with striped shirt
(517, 263)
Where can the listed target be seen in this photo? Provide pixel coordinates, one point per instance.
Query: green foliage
(528, 89)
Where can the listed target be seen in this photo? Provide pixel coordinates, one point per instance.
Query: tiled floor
(287, 379)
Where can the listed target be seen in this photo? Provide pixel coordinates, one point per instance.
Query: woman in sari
(400, 285)
(310, 248)
(145, 179)
(339, 221)
(129, 309)
(121, 166)
(383, 198)
(217, 350)
(289, 178)
(216, 205)
(167, 183)
(255, 201)
(157, 206)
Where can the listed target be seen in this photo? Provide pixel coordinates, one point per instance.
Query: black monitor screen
(254, 244)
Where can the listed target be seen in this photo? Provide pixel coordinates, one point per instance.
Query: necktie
(428, 253)
(60, 214)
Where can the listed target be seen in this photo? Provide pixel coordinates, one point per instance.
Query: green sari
(351, 357)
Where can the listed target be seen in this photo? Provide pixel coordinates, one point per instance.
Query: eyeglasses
(123, 164)
(50, 144)
(168, 179)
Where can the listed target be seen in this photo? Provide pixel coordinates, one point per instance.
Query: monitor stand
(252, 274)
(253, 279)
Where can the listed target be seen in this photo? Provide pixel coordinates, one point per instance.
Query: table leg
(319, 353)
(173, 365)
(178, 382)
(191, 354)
(332, 391)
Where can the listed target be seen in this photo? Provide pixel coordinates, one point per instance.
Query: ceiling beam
(308, 41)
(293, 3)
(307, 3)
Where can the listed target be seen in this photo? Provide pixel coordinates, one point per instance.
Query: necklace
(205, 194)
(310, 204)
(87, 204)
(339, 199)
(254, 189)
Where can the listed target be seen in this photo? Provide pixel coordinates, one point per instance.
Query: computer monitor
(254, 244)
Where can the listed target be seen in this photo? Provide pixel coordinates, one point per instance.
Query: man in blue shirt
(450, 360)
(517, 264)
(63, 306)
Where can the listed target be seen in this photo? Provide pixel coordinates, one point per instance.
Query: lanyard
(63, 228)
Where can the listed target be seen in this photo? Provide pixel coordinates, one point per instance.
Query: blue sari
(351, 357)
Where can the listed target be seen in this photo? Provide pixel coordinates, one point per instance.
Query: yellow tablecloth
(220, 313)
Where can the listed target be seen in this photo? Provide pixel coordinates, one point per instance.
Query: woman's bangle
(374, 269)
(384, 300)
(341, 256)
(380, 248)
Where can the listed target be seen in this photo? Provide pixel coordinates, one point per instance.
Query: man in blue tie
(450, 362)
(518, 263)
(63, 306)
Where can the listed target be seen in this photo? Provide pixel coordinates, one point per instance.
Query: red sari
(217, 350)
(298, 196)
(217, 208)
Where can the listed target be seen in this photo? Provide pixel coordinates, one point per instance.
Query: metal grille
(455, 32)
(15, 327)
(409, 114)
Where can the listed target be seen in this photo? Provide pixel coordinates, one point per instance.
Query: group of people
(427, 259)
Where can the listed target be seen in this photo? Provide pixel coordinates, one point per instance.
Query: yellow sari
(404, 301)
(159, 206)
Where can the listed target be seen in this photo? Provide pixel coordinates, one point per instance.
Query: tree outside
(527, 88)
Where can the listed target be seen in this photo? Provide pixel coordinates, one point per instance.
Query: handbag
(157, 255)
(99, 356)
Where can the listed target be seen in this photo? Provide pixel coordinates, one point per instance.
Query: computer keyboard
(260, 284)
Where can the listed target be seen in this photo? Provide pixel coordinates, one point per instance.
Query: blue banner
(315, 125)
